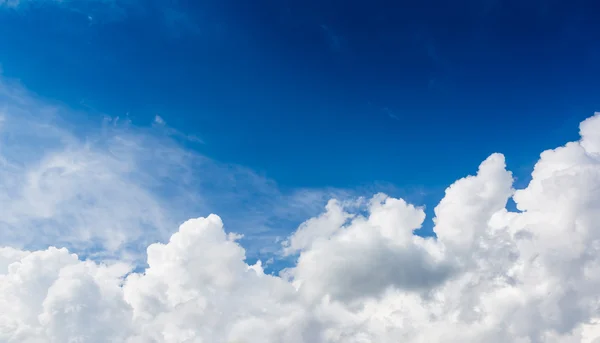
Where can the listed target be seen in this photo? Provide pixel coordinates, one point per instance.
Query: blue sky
(401, 97)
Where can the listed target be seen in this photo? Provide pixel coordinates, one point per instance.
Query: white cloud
(10, 3)
(490, 276)
(111, 190)
(158, 120)
(369, 254)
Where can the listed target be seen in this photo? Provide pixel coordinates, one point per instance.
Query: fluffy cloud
(491, 275)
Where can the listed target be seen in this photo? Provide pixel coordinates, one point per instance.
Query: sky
(299, 171)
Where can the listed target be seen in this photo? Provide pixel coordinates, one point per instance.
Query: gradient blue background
(326, 93)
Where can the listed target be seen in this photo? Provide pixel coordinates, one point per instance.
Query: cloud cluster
(361, 275)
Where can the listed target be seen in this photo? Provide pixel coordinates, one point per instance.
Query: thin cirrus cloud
(110, 190)
(361, 275)
(170, 14)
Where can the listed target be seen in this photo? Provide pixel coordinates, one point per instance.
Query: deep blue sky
(325, 93)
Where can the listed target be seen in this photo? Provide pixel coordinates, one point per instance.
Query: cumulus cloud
(368, 254)
(361, 275)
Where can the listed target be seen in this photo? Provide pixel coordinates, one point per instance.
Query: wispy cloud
(161, 124)
(334, 40)
(391, 114)
(110, 189)
(171, 15)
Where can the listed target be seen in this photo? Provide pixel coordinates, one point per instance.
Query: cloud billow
(490, 275)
